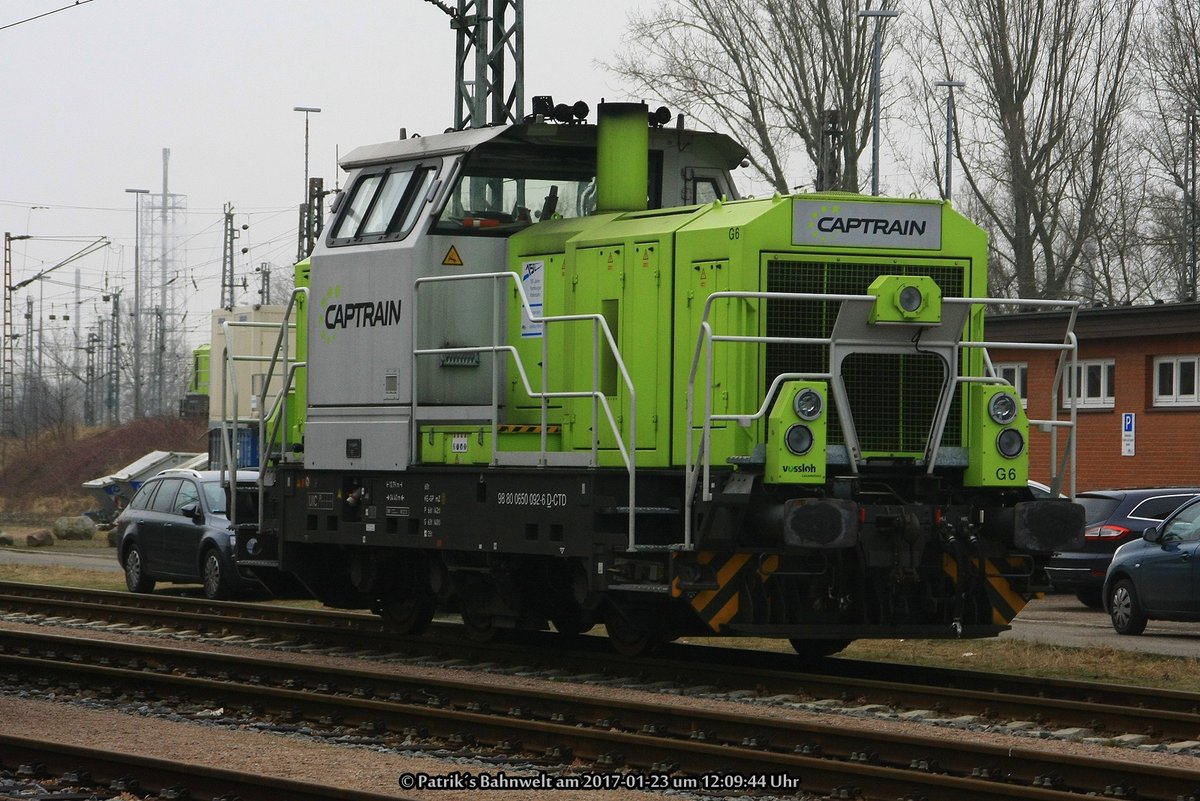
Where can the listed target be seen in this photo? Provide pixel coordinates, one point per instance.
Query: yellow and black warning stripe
(720, 606)
(1005, 601)
(518, 429)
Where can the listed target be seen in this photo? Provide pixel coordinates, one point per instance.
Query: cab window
(706, 190)
(383, 205)
(503, 188)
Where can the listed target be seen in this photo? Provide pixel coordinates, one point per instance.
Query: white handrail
(698, 461)
(278, 407)
(599, 326)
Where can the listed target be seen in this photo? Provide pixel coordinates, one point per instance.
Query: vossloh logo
(872, 225)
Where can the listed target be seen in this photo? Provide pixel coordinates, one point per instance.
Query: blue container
(245, 449)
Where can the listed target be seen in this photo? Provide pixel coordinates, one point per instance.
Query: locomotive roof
(729, 152)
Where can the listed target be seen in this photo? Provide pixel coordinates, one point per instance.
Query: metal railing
(600, 402)
(698, 481)
(277, 413)
(697, 465)
(1064, 373)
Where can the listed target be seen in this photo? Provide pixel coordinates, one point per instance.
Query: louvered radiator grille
(892, 397)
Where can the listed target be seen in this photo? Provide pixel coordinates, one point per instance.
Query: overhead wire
(76, 4)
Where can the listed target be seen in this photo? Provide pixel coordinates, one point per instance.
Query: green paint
(622, 156)
(298, 401)
(988, 467)
(784, 466)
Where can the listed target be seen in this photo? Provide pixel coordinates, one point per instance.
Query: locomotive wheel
(572, 621)
(480, 625)
(627, 637)
(817, 649)
(411, 615)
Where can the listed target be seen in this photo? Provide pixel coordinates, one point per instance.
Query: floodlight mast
(494, 43)
(881, 16)
(951, 85)
(7, 381)
(137, 299)
(309, 210)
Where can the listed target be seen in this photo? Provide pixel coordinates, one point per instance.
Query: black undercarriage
(879, 556)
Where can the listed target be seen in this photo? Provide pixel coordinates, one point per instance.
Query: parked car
(1113, 518)
(1040, 490)
(177, 529)
(1155, 576)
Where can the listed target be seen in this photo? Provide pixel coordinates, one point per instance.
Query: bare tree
(1173, 79)
(1050, 91)
(768, 71)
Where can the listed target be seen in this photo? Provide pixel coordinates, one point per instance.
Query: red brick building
(1133, 360)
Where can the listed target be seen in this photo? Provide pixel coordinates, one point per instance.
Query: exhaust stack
(622, 156)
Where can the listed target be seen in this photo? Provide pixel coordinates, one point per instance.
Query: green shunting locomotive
(556, 373)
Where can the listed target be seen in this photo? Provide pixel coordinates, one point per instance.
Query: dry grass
(97, 543)
(41, 479)
(62, 576)
(1103, 665)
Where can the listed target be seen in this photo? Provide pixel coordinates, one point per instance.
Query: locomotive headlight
(904, 299)
(808, 405)
(795, 448)
(1003, 408)
(799, 440)
(1010, 443)
(911, 299)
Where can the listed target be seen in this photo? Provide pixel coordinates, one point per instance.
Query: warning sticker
(452, 258)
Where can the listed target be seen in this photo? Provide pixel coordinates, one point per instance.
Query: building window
(1094, 384)
(1175, 381)
(1017, 374)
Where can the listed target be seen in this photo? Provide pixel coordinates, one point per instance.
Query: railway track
(676, 745)
(1136, 714)
(91, 773)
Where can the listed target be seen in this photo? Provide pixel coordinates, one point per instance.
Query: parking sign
(1128, 425)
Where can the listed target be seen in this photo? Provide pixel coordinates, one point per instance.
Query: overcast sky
(92, 95)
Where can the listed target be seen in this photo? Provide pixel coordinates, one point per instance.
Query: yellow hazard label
(452, 258)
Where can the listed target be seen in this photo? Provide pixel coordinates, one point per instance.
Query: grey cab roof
(729, 152)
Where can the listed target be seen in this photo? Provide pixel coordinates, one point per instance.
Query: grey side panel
(368, 439)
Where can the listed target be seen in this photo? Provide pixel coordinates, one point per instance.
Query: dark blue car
(177, 529)
(1114, 517)
(1157, 577)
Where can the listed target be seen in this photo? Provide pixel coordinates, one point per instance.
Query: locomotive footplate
(543, 512)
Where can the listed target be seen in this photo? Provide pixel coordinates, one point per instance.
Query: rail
(545, 394)
(698, 470)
